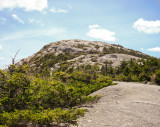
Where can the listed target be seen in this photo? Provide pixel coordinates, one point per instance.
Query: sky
(28, 25)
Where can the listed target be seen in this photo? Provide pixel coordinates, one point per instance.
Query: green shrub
(158, 77)
(26, 99)
(14, 90)
(44, 117)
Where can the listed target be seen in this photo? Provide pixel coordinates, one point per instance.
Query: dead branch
(13, 59)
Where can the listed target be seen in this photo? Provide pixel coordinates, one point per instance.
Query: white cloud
(142, 49)
(55, 10)
(156, 49)
(32, 20)
(148, 27)
(31, 34)
(0, 47)
(1, 58)
(17, 18)
(28, 5)
(93, 26)
(62, 11)
(102, 34)
(3, 20)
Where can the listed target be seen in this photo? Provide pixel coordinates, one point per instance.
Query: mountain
(62, 76)
(73, 53)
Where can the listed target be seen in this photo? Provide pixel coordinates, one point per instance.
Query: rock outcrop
(81, 52)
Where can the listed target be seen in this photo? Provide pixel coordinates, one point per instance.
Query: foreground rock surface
(125, 105)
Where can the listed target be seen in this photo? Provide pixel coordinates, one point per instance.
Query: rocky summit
(73, 53)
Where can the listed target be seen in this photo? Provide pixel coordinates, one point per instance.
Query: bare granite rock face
(86, 52)
(127, 104)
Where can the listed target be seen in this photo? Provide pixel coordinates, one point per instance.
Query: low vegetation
(29, 99)
(132, 70)
(34, 95)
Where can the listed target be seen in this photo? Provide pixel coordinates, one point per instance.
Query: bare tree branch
(13, 59)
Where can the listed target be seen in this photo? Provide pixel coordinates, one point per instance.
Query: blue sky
(28, 25)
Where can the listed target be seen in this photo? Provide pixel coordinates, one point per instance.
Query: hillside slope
(78, 52)
(62, 75)
(125, 105)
